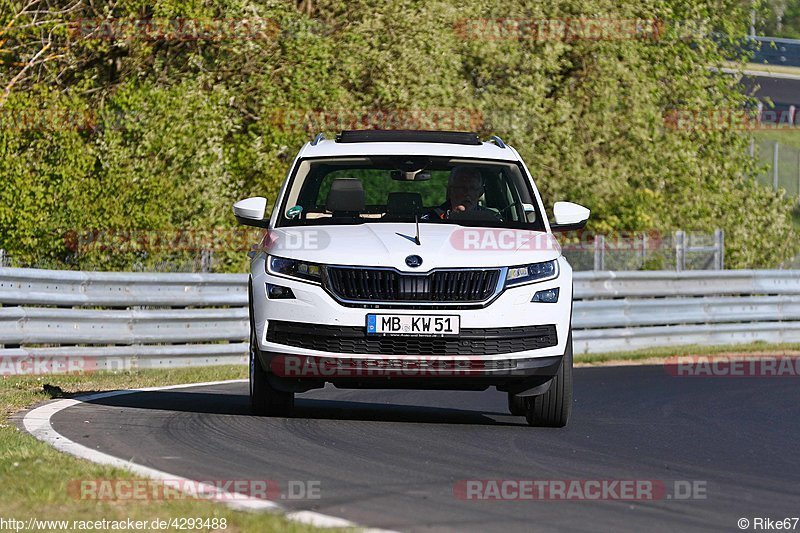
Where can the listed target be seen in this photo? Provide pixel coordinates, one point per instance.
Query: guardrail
(125, 320)
(777, 51)
(119, 320)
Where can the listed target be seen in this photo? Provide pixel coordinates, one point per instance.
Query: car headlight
(293, 268)
(519, 275)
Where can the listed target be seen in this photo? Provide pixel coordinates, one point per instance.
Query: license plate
(431, 325)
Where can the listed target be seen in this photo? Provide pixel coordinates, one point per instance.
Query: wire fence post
(600, 252)
(680, 251)
(2, 264)
(775, 166)
(206, 259)
(798, 173)
(719, 252)
(644, 249)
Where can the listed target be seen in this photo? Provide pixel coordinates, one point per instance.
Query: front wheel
(552, 408)
(265, 400)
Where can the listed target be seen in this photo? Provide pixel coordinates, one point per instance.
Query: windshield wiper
(415, 238)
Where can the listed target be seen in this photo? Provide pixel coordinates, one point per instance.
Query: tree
(158, 129)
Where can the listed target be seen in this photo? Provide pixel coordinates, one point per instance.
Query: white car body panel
(388, 244)
(313, 305)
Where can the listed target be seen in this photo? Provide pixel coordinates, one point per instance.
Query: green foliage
(165, 134)
(780, 18)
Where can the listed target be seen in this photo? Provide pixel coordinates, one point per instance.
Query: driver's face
(464, 192)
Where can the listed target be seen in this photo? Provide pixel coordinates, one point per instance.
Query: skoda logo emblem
(413, 261)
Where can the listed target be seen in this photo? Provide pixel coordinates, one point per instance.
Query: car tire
(517, 405)
(552, 409)
(265, 400)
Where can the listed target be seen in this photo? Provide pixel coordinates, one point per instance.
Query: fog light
(550, 296)
(279, 292)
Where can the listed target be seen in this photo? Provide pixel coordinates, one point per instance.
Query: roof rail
(317, 139)
(497, 140)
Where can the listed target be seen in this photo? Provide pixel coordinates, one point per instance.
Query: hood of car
(394, 245)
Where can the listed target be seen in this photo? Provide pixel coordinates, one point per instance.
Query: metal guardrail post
(719, 253)
(680, 251)
(775, 166)
(600, 252)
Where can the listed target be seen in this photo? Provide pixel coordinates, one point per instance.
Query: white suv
(411, 259)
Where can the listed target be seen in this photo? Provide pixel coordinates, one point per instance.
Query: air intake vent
(383, 285)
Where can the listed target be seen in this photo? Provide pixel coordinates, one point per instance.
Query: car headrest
(346, 194)
(403, 203)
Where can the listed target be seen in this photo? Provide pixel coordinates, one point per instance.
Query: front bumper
(301, 373)
(328, 329)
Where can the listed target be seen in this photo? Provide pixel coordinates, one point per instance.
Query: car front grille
(384, 285)
(354, 340)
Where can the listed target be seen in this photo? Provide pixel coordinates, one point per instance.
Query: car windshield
(340, 191)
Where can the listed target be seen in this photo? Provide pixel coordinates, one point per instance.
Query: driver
(464, 188)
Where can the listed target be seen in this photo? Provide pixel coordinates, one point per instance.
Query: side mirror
(530, 212)
(569, 216)
(250, 212)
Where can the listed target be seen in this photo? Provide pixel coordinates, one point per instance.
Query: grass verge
(754, 348)
(786, 137)
(770, 69)
(34, 477)
(763, 67)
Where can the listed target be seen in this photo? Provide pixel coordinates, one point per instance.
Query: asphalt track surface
(782, 92)
(391, 459)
